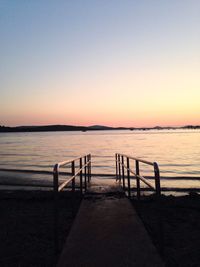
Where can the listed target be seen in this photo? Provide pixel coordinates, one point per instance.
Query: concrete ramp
(108, 232)
(104, 186)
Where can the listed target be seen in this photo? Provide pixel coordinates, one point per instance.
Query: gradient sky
(110, 62)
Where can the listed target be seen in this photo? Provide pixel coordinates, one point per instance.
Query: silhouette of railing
(123, 162)
(84, 171)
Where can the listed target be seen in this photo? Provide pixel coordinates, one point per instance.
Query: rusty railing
(123, 162)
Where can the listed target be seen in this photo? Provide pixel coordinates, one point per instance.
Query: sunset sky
(108, 62)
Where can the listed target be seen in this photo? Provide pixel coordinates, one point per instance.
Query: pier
(107, 230)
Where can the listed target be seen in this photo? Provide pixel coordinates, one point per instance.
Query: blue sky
(108, 62)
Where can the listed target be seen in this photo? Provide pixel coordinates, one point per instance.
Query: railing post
(88, 168)
(85, 172)
(157, 178)
(128, 177)
(55, 186)
(116, 164)
(137, 178)
(73, 173)
(90, 165)
(160, 210)
(123, 179)
(73, 188)
(119, 167)
(81, 177)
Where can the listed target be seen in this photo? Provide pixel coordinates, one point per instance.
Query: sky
(117, 62)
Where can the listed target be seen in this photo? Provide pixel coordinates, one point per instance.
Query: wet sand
(174, 227)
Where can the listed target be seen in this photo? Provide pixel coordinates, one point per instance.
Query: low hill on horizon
(49, 128)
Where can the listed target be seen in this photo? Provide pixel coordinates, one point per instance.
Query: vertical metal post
(128, 177)
(116, 164)
(160, 207)
(137, 178)
(123, 178)
(85, 172)
(88, 160)
(56, 214)
(81, 177)
(73, 188)
(157, 178)
(73, 173)
(119, 167)
(90, 166)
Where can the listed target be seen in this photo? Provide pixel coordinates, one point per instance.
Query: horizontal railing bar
(61, 164)
(97, 156)
(84, 169)
(142, 179)
(145, 181)
(131, 171)
(60, 188)
(73, 177)
(89, 161)
(69, 180)
(140, 160)
(137, 176)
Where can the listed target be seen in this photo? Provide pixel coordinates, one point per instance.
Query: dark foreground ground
(174, 226)
(27, 227)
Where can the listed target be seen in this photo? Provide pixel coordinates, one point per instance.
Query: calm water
(176, 151)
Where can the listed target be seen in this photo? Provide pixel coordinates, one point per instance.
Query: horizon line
(98, 125)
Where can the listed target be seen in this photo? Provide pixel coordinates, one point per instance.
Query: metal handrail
(120, 174)
(134, 158)
(64, 163)
(57, 166)
(84, 169)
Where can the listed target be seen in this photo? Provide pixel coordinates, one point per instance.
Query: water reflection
(177, 152)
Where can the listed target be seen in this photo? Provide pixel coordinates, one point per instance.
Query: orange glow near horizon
(131, 100)
(123, 63)
(140, 119)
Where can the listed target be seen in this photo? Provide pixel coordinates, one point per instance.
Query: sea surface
(177, 152)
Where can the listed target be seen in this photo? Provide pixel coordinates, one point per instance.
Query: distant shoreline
(57, 128)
